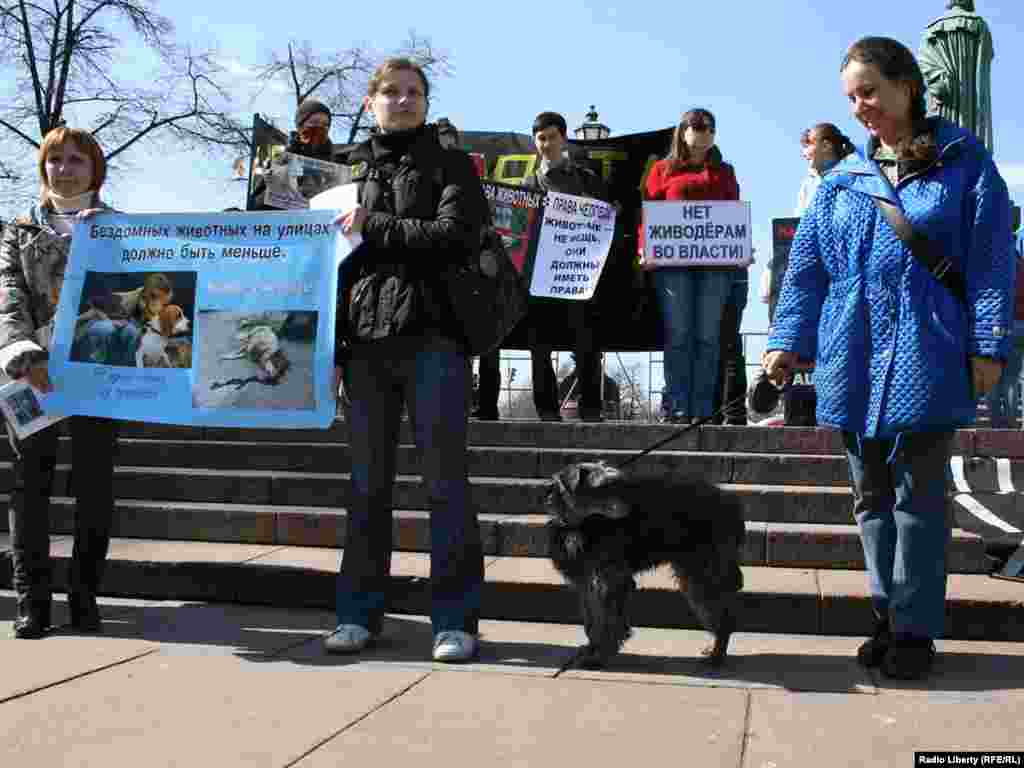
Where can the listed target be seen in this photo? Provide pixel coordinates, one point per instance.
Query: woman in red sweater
(691, 299)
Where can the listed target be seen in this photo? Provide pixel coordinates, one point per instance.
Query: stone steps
(778, 600)
(785, 545)
(774, 503)
(625, 436)
(258, 516)
(982, 473)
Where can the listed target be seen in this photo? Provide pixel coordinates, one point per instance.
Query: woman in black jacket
(422, 209)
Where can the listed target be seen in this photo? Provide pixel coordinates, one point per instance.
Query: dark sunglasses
(699, 125)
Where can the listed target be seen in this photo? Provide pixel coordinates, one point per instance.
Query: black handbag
(487, 296)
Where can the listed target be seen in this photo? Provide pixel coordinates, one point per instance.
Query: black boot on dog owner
(872, 651)
(909, 658)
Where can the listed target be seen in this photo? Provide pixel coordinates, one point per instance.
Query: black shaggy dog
(607, 526)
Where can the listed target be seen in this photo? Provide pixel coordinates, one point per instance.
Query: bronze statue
(956, 60)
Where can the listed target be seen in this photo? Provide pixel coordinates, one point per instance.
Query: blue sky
(768, 70)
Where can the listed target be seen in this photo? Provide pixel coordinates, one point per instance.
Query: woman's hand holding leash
(778, 364)
(985, 372)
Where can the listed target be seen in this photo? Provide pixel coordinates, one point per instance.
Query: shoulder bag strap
(924, 250)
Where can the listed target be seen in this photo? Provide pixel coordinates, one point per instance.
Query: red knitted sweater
(716, 182)
(707, 183)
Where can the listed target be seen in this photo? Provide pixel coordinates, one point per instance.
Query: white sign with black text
(693, 233)
(572, 246)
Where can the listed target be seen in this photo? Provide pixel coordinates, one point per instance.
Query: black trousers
(578, 315)
(489, 383)
(732, 369)
(93, 443)
(545, 384)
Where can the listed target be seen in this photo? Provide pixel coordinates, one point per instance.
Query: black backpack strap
(926, 251)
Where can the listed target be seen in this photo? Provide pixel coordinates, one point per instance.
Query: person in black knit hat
(312, 126)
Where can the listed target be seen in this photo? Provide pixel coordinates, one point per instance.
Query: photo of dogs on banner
(607, 525)
(261, 359)
(137, 319)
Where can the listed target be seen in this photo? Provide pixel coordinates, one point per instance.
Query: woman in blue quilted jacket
(900, 360)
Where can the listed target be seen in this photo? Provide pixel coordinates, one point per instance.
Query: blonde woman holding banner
(691, 299)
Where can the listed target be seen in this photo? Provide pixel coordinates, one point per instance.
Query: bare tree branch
(339, 78)
(25, 137)
(63, 61)
(30, 59)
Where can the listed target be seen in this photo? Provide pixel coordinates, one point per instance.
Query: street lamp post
(592, 129)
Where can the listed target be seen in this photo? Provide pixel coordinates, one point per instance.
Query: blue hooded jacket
(891, 344)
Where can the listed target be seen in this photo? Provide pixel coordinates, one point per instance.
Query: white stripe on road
(1005, 476)
(956, 463)
(971, 504)
(981, 512)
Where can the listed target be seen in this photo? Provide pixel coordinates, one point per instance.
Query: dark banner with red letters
(623, 306)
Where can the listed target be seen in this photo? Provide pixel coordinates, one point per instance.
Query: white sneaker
(347, 638)
(454, 645)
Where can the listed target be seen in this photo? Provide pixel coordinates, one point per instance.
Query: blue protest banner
(200, 319)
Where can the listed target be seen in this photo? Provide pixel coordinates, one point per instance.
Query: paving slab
(756, 660)
(415, 564)
(479, 719)
(214, 710)
(187, 627)
(159, 551)
(985, 608)
(808, 730)
(506, 647)
(33, 666)
(27, 666)
(216, 628)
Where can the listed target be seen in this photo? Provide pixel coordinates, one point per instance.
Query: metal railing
(638, 400)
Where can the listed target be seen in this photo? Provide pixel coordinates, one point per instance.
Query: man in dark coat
(557, 172)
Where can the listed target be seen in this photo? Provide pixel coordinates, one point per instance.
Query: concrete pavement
(195, 684)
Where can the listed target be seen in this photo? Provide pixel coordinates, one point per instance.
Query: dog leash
(683, 430)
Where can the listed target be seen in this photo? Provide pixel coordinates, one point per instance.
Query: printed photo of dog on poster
(136, 319)
(260, 359)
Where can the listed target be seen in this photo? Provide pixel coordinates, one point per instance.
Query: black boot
(909, 658)
(85, 614)
(33, 619)
(872, 652)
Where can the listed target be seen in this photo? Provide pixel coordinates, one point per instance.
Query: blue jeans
(691, 301)
(1003, 399)
(430, 374)
(901, 507)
